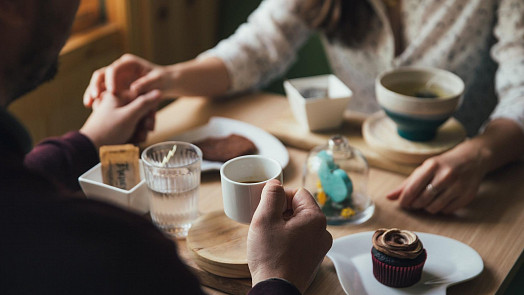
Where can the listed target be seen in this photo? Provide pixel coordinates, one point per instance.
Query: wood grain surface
(493, 224)
(219, 245)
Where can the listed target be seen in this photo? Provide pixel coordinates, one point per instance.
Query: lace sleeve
(508, 52)
(264, 47)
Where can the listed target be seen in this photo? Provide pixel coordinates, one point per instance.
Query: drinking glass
(172, 173)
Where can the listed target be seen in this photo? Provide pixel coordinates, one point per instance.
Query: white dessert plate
(449, 262)
(267, 144)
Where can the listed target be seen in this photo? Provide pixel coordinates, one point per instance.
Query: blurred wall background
(163, 31)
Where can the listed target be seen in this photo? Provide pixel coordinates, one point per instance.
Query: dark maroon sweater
(52, 243)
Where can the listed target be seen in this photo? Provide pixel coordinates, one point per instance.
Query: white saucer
(449, 262)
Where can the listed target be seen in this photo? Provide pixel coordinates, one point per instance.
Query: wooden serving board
(219, 245)
(288, 130)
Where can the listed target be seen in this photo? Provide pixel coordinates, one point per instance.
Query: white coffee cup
(243, 179)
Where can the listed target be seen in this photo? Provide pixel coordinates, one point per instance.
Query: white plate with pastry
(449, 262)
(266, 144)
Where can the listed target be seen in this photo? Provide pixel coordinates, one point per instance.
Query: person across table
(479, 40)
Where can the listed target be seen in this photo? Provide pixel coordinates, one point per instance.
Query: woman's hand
(128, 77)
(444, 183)
(450, 181)
(287, 246)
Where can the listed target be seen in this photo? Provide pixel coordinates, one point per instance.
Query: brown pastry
(398, 257)
(221, 149)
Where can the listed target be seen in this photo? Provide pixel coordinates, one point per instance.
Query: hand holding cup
(289, 245)
(243, 179)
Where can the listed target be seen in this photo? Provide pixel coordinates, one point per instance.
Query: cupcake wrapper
(397, 276)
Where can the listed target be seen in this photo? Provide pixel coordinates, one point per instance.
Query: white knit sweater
(482, 41)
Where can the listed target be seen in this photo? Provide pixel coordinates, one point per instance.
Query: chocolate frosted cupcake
(398, 257)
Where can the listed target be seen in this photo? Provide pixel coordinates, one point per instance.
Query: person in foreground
(55, 243)
(481, 41)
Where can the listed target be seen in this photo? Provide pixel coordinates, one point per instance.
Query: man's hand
(288, 245)
(114, 121)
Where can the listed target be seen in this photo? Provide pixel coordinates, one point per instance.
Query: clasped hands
(122, 112)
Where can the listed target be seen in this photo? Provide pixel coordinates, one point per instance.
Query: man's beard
(37, 64)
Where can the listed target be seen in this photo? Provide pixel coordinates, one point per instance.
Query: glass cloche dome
(336, 174)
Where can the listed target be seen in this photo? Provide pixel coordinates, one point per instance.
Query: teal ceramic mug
(419, 100)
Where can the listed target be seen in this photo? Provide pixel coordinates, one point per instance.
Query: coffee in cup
(243, 179)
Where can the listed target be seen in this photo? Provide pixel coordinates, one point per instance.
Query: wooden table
(493, 224)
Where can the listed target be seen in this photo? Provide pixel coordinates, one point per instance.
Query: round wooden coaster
(219, 245)
(380, 133)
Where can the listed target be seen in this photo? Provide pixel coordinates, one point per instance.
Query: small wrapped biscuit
(120, 165)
